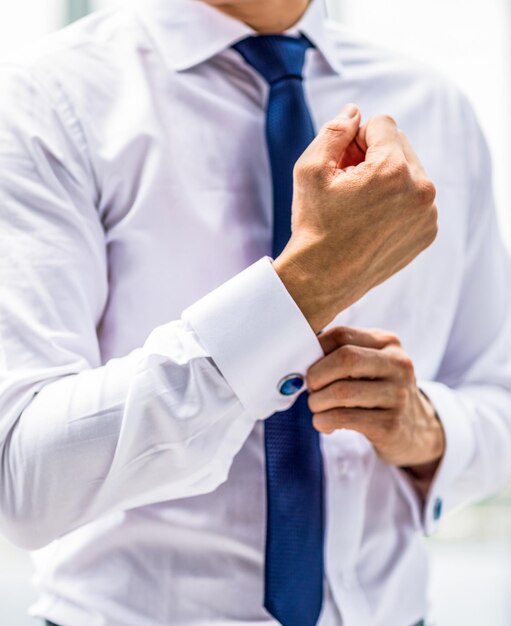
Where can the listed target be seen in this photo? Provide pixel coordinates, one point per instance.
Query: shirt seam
(67, 113)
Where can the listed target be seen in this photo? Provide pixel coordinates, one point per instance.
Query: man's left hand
(366, 382)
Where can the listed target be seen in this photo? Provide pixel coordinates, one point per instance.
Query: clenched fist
(366, 383)
(363, 208)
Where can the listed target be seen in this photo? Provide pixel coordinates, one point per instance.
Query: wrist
(307, 289)
(421, 477)
(424, 472)
(434, 435)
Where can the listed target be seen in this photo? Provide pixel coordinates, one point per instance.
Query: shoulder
(88, 53)
(73, 77)
(101, 31)
(392, 76)
(50, 89)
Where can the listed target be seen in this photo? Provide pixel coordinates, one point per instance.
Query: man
(162, 469)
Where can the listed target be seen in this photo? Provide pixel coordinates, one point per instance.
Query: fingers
(327, 149)
(343, 144)
(380, 138)
(371, 423)
(355, 394)
(339, 336)
(349, 362)
(380, 134)
(352, 156)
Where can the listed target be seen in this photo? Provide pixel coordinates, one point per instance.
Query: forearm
(140, 429)
(164, 422)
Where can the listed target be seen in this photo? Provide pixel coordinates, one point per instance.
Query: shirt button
(291, 384)
(437, 509)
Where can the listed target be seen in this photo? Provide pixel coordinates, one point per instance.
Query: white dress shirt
(144, 331)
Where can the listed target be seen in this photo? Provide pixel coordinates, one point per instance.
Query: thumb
(333, 139)
(380, 137)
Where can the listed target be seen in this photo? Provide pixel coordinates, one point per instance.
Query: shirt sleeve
(80, 438)
(472, 391)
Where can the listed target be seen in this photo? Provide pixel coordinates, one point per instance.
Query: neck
(264, 16)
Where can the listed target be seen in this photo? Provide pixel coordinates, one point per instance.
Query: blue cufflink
(291, 384)
(437, 509)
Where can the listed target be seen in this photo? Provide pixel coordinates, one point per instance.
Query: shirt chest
(187, 203)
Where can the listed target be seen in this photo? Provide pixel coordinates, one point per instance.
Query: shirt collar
(188, 32)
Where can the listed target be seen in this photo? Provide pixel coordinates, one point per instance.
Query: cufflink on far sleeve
(291, 384)
(437, 509)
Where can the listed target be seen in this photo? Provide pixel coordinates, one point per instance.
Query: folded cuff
(257, 337)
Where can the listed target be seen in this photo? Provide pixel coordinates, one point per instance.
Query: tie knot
(275, 57)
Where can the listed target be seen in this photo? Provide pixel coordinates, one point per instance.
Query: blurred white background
(470, 41)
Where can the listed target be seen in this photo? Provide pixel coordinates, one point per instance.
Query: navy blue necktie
(294, 468)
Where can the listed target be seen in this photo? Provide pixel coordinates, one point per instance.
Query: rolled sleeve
(256, 335)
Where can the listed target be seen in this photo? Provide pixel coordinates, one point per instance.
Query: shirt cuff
(257, 337)
(443, 496)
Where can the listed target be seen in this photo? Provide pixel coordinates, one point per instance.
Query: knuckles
(307, 171)
(400, 398)
(385, 118)
(392, 175)
(398, 171)
(388, 119)
(425, 191)
(347, 358)
(386, 337)
(404, 364)
(395, 176)
(342, 335)
(336, 127)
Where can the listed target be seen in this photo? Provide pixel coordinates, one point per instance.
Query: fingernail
(349, 111)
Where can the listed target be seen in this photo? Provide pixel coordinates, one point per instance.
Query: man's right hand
(363, 208)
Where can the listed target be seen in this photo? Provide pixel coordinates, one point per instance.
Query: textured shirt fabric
(143, 330)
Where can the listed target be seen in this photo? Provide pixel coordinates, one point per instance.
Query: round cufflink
(291, 384)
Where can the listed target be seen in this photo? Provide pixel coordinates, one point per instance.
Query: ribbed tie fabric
(294, 468)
